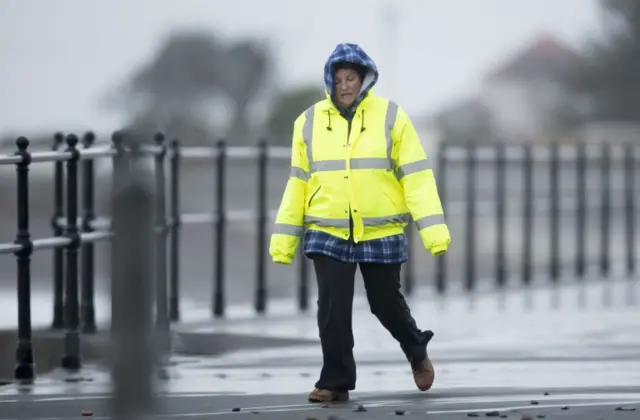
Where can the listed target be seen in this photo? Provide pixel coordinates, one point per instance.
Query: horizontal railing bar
(95, 152)
(230, 216)
(51, 243)
(452, 153)
(538, 153)
(242, 152)
(148, 149)
(10, 159)
(279, 152)
(483, 207)
(9, 248)
(101, 223)
(53, 156)
(95, 237)
(194, 152)
(453, 207)
(98, 223)
(197, 218)
(239, 152)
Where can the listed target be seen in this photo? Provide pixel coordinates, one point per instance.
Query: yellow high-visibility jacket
(373, 168)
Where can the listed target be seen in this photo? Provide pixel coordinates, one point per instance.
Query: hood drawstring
(363, 127)
(329, 117)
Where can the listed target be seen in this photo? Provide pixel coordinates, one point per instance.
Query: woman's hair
(359, 68)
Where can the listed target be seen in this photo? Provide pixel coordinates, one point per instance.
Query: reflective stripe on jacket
(374, 169)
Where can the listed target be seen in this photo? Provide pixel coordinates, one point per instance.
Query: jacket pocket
(313, 196)
(389, 196)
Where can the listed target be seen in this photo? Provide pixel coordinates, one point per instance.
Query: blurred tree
(286, 108)
(179, 90)
(245, 69)
(609, 85)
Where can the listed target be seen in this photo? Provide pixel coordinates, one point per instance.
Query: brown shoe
(327, 395)
(424, 374)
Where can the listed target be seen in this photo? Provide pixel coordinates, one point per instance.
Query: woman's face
(348, 85)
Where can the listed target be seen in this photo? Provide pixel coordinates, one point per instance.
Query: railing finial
(72, 140)
(88, 139)
(22, 143)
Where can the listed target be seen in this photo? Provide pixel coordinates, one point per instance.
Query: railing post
(501, 163)
(132, 347)
(25, 369)
(554, 217)
(71, 358)
(87, 304)
(162, 299)
(470, 222)
(262, 220)
(581, 210)
(220, 230)
(56, 227)
(527, 225)
(629, 193)
(174, 233)
(441, 262)
(605, 201)
(303, 284)
(119, 162)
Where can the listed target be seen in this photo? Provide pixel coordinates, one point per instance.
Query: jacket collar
(328, 105)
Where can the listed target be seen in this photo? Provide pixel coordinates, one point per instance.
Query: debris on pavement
(625, 409)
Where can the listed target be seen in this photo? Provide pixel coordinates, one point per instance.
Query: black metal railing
(466, 174)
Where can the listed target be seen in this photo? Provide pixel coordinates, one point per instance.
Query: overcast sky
(58, 57)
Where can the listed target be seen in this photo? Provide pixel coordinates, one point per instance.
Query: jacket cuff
(282, 259)
(438, 250)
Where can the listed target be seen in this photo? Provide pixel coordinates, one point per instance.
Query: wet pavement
(438, 404)
(572, 353)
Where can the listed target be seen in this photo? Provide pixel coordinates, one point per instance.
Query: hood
(351, 53)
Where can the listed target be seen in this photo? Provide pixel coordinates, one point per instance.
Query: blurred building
(522, 99)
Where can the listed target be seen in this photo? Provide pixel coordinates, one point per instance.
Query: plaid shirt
(387, 250)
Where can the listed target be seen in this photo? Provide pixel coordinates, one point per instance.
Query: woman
(359, 175)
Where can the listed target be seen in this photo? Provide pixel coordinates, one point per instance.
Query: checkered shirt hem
(387, 250)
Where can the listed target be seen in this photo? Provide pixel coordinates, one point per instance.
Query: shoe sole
(338, 398)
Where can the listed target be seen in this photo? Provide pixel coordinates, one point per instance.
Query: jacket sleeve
(289, 219)
(416, 176)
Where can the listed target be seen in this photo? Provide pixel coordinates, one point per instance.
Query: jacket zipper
(348, 145)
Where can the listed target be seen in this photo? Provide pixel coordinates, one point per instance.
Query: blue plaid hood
(351, 53)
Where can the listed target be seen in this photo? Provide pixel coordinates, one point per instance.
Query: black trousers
(336, 282)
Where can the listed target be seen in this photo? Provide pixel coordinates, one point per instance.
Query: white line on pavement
(536, 407)
(64, 397)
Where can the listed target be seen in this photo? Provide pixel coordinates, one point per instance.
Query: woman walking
(359, 175)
